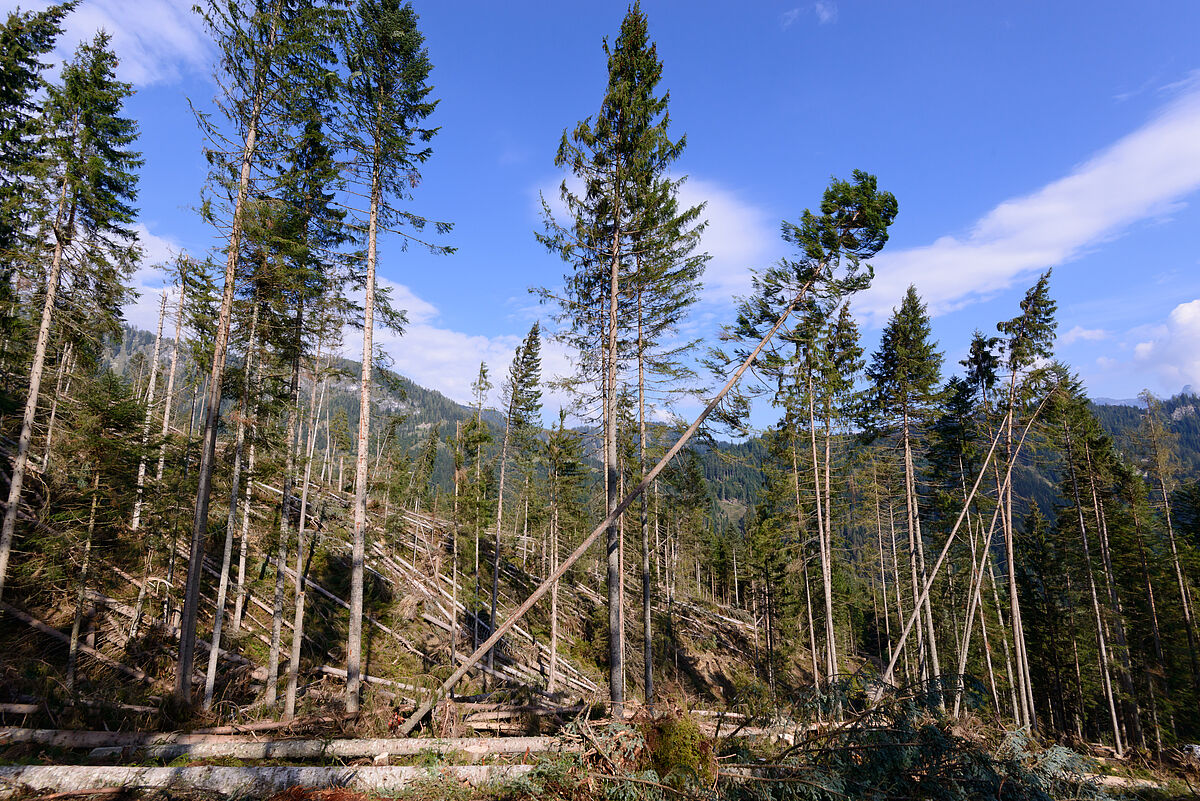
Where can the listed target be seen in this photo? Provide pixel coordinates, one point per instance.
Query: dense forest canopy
(246, 504)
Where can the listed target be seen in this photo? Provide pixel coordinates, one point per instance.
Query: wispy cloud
(1138, 177)
(1080, 333)
(739, 236)
(148, 281)
(1172, 353)
(826, 11)
(156, 41)
(789, 17)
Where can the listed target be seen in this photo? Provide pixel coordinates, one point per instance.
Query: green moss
(680, 754)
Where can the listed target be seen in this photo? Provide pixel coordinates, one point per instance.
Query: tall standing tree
(1024, 340)
(621, 156)
(268, 63)
(387, 99)
(524, 401)
(26, 37)
(90, 176)
(905, 372)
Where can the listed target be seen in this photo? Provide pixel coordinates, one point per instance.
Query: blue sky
(1015, 136)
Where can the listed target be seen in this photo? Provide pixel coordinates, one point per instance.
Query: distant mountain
(1135, 402)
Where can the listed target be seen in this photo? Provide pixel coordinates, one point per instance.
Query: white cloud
(788, 17)
(155, 40)
(1173, 353)
(148, 282)
(826, 11)
(1080, 333)
(1142, 175)
(739, 236)
(442, 359)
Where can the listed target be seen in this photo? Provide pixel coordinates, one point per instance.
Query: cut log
(249, 748)
(253, 782)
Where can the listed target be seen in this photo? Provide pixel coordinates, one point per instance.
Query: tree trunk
(288, 486)
(1129, 705)
(1102, 646)
(914, 522)
(210, 677)
(191, 601)
(822, 529)
(1025, 678)
(141, 474)
(499, 521)
(358, 543)
(73, 646)
(17, 479)
(616, 634)
(289, 701)
(60, 390)
(551, 682)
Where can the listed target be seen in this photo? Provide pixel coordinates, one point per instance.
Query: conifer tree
(91, 179)
(386, 101)
(621, 156)
(524, 401)
(905, 372)
(268, 62)
(1025, 340)
(1159, 445)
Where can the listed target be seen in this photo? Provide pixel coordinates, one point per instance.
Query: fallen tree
(253, 782)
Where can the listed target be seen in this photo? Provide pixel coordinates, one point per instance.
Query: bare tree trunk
(141, 474)
(822, 545)
(974, 601)
(289, 701)
(17, 479)
(499, 520)
(644, 521)
(1013, 686)
(358, 543)
(1024, 677)
(551, 682)
(64, 371)
(214, 651)
(897, 582)
(887, 616)
(1129, 704)
(239, 601)
(1160, 663)
(1184, 590)
(289, 472)
(1102, 646)
(616, 632)
(191, 602)
(73, 647)
(914, 521)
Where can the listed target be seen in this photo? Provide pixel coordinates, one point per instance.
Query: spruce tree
(90, 175)
(905, 372)
(385, 104)
(524, 402)
(25, 39)
(269, 61)
(621, 156)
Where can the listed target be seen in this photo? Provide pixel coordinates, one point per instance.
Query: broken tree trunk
(609, 520)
